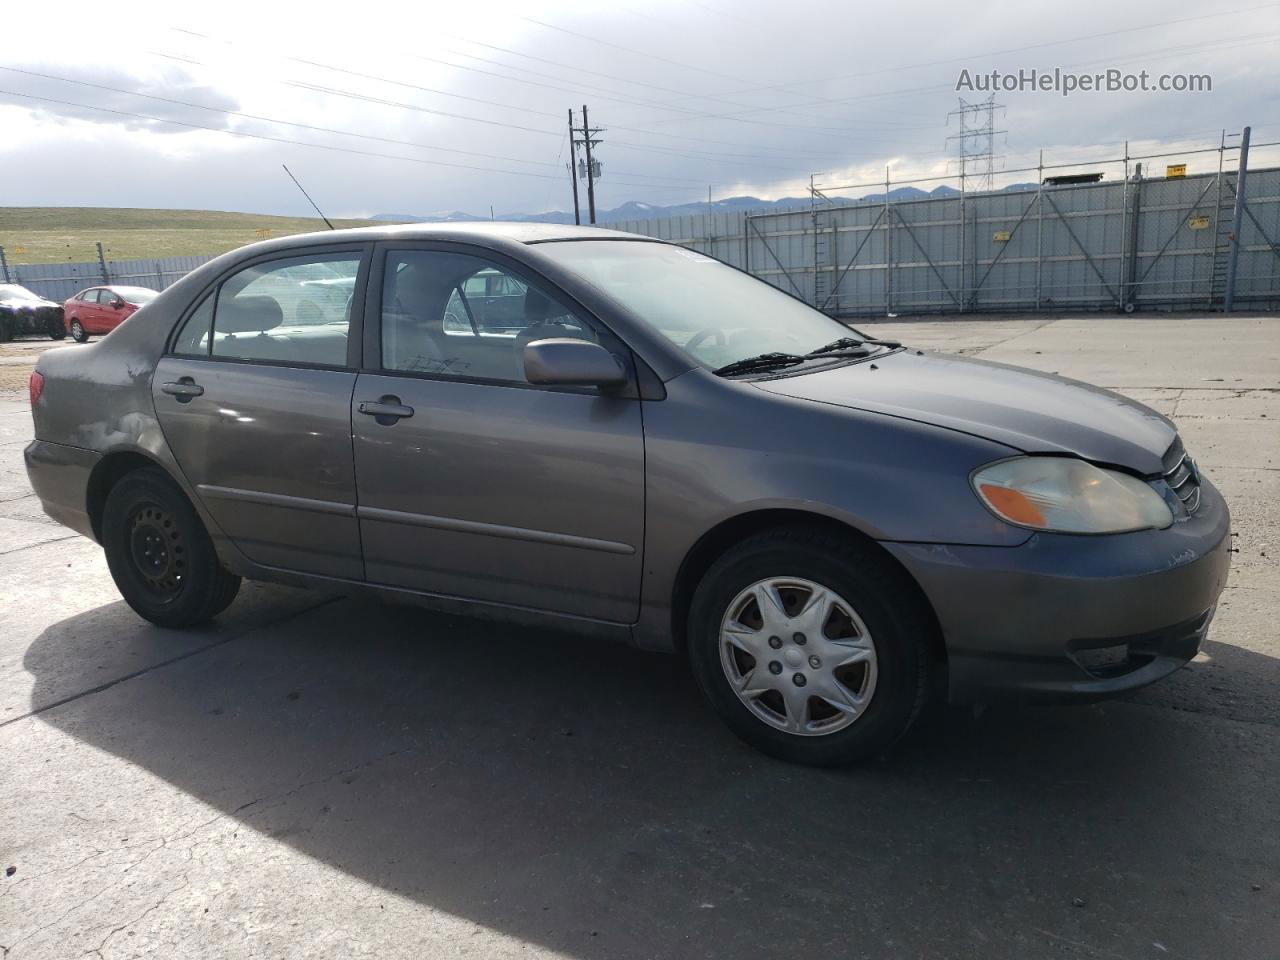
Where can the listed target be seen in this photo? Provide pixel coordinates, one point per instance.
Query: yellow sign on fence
(1198, 223)
(1175, 170)
(19, 249)
(1000, 236)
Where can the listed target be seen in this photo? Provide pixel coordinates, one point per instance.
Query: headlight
(1066, 495)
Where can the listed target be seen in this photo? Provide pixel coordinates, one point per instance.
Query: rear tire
(874, 625)
(57, 330)
(6, 328)
(78, 332)
(160, 554)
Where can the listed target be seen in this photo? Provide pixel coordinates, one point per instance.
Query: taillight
(36, 386)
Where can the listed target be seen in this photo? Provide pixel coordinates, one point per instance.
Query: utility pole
(573, 168)
(591, 171)
(591, 168)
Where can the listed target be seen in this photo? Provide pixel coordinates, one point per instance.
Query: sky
(430, 107)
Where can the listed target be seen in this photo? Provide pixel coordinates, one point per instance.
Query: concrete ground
(319, 777)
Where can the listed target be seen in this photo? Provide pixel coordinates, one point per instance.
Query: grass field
(68, 234)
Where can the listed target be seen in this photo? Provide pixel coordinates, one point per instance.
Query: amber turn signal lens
(1013, 505)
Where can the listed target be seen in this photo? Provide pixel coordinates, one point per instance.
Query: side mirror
(566, 362)
(117, 304)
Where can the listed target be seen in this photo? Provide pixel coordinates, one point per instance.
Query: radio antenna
(308, 196)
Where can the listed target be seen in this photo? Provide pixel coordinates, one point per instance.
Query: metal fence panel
(1158, 243)
(58, 281)
(1154, 243)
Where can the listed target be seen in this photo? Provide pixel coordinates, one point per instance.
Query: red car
(102, 309)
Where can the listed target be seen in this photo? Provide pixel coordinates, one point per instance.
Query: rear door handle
(386, 410)
(184, 389)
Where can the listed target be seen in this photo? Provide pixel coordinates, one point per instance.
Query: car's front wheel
(813, 648)
(78, 332)
(160, 555)
(56, 329)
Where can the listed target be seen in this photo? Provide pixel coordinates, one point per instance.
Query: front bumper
(1075, 617)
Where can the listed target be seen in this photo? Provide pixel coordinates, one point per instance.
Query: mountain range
(635, 210)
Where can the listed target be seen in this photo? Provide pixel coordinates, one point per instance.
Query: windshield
(11, 291)
(138, 295)
(717, 314)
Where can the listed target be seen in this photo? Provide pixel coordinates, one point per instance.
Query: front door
(474, 483)
(254, 399)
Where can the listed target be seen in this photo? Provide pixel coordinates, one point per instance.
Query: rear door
(254, 398)
(91, 313)
(479, 484)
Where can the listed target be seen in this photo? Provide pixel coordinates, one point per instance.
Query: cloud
(59, 92)
(474, 98)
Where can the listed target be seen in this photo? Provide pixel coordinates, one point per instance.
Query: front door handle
(183, 388)
(386, 410)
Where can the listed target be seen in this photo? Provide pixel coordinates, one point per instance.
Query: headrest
(536, 306)
(248, 315)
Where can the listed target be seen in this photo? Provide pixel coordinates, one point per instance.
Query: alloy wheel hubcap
(798, 656)
(157, 551)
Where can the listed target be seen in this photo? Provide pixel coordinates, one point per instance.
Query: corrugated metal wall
(58, 281)
(1149, 244)
(1140, 245)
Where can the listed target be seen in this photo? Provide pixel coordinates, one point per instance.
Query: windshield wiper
(850, 344)
(762, 361)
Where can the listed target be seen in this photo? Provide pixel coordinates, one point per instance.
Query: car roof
(474, 231)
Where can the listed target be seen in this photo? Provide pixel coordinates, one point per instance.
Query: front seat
(417, 333)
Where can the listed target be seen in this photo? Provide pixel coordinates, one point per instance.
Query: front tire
(78, 332)
(813, 648)
(56, 329)
(160, 555)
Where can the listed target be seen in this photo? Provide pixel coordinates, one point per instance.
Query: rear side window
(295, 311)
(193, 338)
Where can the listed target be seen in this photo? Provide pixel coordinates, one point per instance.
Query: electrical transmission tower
(975, 143)
(589, 169)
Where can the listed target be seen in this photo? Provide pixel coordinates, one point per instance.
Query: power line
(379, 78)
(993, 53)
(318, 129)
(259, 136)
(263, 119)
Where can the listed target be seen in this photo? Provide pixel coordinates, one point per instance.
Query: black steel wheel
(160, 555)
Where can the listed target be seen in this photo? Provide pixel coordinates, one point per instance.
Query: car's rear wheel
(160, 555)
(6, 328)
(813, 648)
(56, 329)
(78, 332)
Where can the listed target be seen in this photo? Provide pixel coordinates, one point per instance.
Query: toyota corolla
(605, 433)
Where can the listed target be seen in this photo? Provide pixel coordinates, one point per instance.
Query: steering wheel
(696, 340)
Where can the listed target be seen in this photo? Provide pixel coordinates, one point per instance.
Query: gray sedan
(609, 434)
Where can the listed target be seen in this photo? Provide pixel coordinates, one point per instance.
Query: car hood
(14, 303)
(1030, 411)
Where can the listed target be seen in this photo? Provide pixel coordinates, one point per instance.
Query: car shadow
(580, 797)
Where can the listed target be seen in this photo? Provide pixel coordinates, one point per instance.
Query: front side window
(461, 315)
(289, 311)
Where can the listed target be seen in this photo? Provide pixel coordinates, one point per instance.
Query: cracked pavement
(319, 777)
